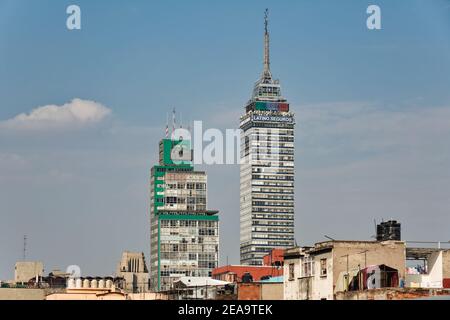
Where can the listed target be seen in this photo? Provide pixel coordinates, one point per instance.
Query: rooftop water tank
(71, 283)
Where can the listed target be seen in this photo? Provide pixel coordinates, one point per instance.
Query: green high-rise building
(184, 235)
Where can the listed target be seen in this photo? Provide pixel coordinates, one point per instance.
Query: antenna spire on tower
(266, 73)
(24, 247)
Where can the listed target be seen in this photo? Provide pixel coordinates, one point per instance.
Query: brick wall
(249, 291)
(446, 283)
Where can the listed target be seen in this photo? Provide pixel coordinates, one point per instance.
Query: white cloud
(75, 113)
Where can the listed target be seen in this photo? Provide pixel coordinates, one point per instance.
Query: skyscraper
(184, 235)
(267, 168)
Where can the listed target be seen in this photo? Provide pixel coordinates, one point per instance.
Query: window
(171, 200)
(308, 269)
(291, 271)
(192, 256)
(323, 267)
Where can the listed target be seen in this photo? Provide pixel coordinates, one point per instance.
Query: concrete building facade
(184, 234)
(133, 269)
(314, 273)
(24, 271)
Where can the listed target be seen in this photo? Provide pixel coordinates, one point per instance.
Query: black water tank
(389, 230)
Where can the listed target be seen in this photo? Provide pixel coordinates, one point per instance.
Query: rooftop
(199, 281)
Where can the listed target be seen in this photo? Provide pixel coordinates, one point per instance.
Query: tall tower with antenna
(267, 167)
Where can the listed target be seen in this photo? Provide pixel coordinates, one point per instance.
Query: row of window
(188, 273)
(188, 185)
(273, 223)
(273, 210)
(272, 190)
(209, 253)
(261, 150)
(188, 223)
(273, 236)
(281, 144)
(283, 184)
(273, 197)
(273, 204)
(308, 269)
(184, 200)
(273, 177)
(273, 131)
(273, 216)
(272, 170)
(268, 138)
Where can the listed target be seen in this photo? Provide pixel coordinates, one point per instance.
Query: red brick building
(234, 273)
(274, 258)
(273, 267)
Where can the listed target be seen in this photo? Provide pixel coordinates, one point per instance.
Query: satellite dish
(74, 271)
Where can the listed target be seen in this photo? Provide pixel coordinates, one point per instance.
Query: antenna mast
(24, 247)
(173, 121)
(266, 73)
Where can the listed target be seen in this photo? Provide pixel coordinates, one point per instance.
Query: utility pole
(347, 276)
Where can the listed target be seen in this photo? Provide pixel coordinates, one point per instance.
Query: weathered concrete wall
(26, 270)
(390, 253)
(391, 294)
(446, 264)
(306, 288)
(272, 291)
(340, 257)
(291, 291)
(323, 285)
(21, 294)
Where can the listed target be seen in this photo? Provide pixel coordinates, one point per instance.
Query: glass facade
(267, 188)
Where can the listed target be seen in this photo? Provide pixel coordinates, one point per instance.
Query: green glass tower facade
(184, 235)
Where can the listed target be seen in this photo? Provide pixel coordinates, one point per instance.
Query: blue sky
(372, 109)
